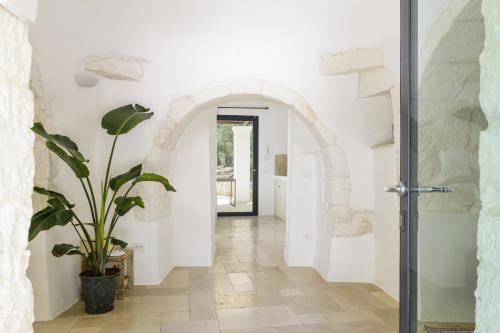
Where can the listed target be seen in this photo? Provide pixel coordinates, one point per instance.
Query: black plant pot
(99, 292)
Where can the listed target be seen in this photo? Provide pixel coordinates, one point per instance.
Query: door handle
(433, 189)
(402, 189)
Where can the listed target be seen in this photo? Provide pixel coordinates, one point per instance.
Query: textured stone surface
(45, 162)
(488, 288)
(450, 118)
(443, 25)
(16, 175)
(183, 109)
(351, 61)
(374, 81)
(116, 67)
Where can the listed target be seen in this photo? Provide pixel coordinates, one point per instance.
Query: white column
(242, 162)
(16, 174)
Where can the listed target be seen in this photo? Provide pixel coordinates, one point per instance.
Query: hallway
(248, 290)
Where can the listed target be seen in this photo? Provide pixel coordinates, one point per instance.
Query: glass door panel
(237, 165)
(441, 123)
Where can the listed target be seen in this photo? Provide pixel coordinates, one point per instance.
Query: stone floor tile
(62, 324)
(171, 317)
(202, 307)
(362, 327)
(244, 287)
(87, 330)
(353, 317)
(154, 304)
(271, 297)
(389, 316)
(314, 319)
(239, 278)
(121, 323)
(291, 292)
(236, 300)
(258, 330)
(242, 267)
(308, 329)
(248, 290)
(312, 304)
(206, 326)
(261, 317)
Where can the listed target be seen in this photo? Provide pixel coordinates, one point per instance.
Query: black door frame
(255, 184)
(408, 166)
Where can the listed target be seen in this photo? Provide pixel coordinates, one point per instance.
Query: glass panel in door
(441, 209)
(236, 165)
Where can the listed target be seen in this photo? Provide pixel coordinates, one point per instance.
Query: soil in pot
(99, 292)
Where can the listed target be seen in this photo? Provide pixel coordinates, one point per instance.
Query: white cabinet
(280, 184)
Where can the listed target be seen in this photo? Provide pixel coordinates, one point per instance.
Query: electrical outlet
(139, 246)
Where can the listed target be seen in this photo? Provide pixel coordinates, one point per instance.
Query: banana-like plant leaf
(153, 177)
(60, 140)
(123, 119)
(54, 195)
(49, 217)
(80, 169)
(60, 250)
(116, 182)
(118, 242)
(124, 204)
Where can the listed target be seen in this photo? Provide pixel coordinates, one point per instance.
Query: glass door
(237, 165)
(441, 120)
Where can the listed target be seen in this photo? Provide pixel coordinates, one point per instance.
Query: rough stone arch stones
(182, 111)
(373, 80)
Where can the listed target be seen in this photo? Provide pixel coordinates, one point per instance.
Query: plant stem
(93, 196)
(106, 179)
(91, 254)
(89, 201)
(109, 206)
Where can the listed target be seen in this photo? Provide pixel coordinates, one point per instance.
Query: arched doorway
(343, 221)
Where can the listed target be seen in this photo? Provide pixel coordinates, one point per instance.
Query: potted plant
(114, 200)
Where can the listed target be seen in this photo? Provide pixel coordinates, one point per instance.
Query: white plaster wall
(386, 228)
(151, 243)
(188, 47)
(273, 124)
(16, 174)
(303, 194)
(352, 259)
(192, 205)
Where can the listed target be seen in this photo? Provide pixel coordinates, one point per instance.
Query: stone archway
(343, 221)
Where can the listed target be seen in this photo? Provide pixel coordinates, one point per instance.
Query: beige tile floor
(248, 290)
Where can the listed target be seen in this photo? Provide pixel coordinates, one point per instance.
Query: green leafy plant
(105, 211)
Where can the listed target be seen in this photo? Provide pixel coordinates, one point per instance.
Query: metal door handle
(402, 189)
(431, 189)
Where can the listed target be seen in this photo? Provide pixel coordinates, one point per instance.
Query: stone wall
(488, 290)
(16, 174)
